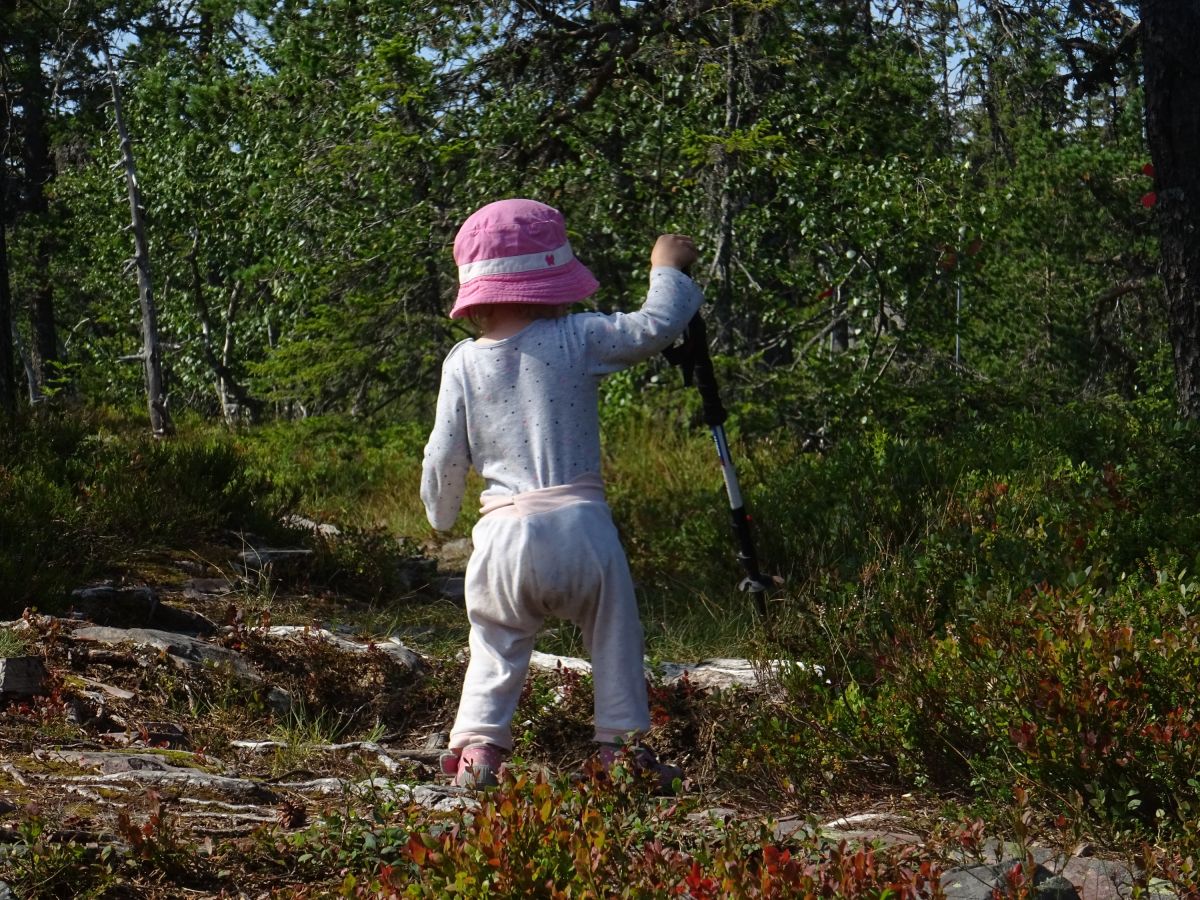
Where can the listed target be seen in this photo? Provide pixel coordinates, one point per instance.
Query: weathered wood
(160, 419)
(22, 676)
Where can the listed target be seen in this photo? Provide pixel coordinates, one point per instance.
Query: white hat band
(511, 265)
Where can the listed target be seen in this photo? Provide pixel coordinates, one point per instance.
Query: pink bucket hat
(516, 251)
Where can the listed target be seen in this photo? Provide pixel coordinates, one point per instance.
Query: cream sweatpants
(531, 562)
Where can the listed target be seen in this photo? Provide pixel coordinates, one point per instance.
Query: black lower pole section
(754, 582)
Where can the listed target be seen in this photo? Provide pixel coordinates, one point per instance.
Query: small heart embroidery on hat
(549, 259)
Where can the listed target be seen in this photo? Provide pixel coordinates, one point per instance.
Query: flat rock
(264, 560)
(22, 676)
(164, 734)
(994, 851)
(279, 701)
(391, 646)
(406, 657)
(888, 837)
(431, 796)
(452, 556)
(258, 746)
(549, 662)
(1057, 888)
(708, 673)
(300, 523)
(186, 779)
(788, 826)
(185, 652)
(1096, 879)
(718, 673)
(111, 763)
(1092, 878)
(981, 882)
(207, 588)
(136, 607)
(109, 690)
(452, 588)
(870, 828)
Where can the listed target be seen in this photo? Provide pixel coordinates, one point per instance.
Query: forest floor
(206, 727)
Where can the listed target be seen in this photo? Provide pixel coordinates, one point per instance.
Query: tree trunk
(160, 419)
(1171, 36)
(235, 400)
(38, 171)
(722, 302)
(8, 384)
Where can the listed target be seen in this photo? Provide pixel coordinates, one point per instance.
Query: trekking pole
(693, 359)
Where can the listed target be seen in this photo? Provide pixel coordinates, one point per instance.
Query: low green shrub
(367, 563)
(1087, 694)
(41, 865)
(167, 492)
(345, 470)
(79, 492)
(598, 838)
(1010, 600)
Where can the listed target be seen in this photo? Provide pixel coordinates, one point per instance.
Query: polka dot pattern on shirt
(552, 368)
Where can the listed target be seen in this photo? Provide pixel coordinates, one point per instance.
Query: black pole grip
(703, 374)
(692, 357)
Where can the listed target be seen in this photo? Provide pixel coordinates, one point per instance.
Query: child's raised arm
(617, 341)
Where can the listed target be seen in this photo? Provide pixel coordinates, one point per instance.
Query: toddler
(519, 404)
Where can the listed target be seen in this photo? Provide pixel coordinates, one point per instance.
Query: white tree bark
(160, 419)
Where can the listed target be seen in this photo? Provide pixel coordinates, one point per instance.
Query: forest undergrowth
(995, 619)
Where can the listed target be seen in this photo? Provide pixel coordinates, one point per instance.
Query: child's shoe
(474, 766)
(642, 761)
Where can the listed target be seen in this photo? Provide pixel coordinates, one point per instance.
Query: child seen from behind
(520, 404)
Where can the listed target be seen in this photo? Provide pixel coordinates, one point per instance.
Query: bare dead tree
(160, 419)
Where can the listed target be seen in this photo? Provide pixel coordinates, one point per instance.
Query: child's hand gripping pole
(691, 355)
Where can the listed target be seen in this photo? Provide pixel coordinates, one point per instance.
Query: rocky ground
(180, 697)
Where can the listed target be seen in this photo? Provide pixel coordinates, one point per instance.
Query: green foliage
(303, 171)
(41, 866)
(45, 862)
(344, 470)
(371, 564)
(348, 842)
(599, 837)
(12, 643)
(1081, 693)
(80, 492)
(1009, 599)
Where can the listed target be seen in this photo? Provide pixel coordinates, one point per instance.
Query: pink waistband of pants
(584, 489)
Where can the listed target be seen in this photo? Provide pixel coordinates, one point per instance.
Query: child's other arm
(622, 339)
(447, 455)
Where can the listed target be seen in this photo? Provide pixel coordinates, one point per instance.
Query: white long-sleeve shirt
(524, 410)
